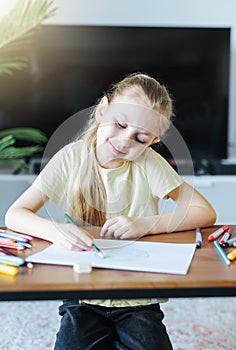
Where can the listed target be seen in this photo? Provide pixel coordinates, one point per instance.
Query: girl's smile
(115, 150)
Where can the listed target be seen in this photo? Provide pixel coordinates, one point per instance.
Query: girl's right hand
(72, 237)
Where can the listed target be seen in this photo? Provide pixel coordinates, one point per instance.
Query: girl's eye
(123, 126)
(140, 141)
(120, 125)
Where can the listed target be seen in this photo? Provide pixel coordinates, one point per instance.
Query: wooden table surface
(207, 276)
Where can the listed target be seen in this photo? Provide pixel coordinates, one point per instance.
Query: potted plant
(16, 33)
(17, 156)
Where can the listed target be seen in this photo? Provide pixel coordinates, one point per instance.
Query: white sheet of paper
(173, 258)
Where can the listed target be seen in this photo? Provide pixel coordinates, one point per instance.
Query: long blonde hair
(88, 197)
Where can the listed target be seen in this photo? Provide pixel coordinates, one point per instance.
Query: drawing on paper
(126, 254)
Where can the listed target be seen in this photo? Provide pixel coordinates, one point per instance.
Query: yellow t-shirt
(132, 189)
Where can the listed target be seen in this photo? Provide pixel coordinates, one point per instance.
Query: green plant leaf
(27, 134)
(16, 31)
(6, 142)
(17, 63)
(19, 152)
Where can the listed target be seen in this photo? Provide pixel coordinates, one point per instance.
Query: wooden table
(207, 276)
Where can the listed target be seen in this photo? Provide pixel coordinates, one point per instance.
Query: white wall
(208, 13)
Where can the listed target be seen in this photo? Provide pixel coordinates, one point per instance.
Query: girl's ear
(101, 108)
(156, 140)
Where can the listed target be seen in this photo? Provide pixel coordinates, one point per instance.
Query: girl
(112, 178)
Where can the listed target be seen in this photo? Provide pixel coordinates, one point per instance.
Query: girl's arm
(195, 211)
(22, 217)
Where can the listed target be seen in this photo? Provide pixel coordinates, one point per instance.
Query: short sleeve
(53, 179)
(161, 176)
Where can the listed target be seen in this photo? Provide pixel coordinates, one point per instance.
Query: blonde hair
(88, 198)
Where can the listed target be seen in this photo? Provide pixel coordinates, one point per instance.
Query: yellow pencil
(9, 270)
(232, 255)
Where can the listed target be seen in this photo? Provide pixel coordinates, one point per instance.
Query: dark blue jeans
(94, 327)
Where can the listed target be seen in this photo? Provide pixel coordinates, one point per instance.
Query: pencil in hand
(94, 247)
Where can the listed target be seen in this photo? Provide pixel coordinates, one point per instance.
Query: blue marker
(9, 258)
(221, 252)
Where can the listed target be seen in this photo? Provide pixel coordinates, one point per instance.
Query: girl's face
(126, 129)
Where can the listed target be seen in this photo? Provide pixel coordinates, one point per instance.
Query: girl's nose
(124, 141)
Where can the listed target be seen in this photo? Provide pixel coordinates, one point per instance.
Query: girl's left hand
(124, 227)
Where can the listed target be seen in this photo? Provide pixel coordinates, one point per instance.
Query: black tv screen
(71, 66)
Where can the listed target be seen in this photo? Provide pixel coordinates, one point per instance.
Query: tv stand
(214, 167)
(204, 167)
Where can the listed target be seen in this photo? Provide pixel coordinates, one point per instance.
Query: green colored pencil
(95, 248)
